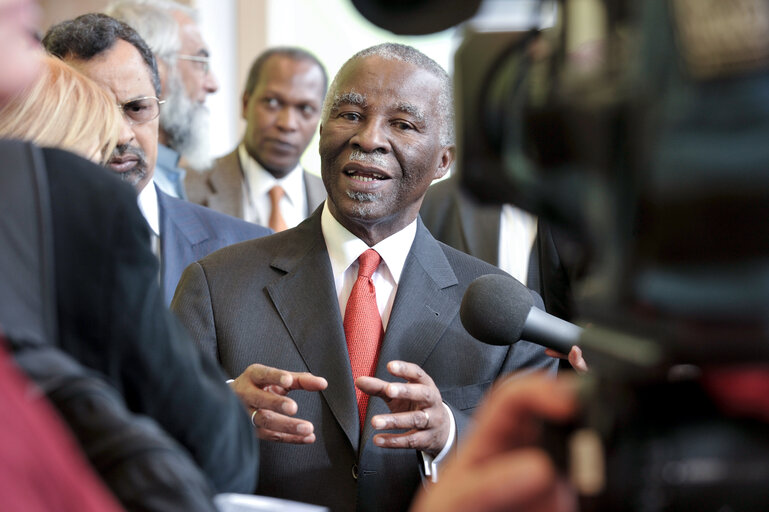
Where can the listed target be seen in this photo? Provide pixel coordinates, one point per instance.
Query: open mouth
(365, 176)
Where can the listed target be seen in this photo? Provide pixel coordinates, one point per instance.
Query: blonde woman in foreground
(63, 109)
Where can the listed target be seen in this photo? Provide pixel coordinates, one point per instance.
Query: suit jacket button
(355, 471)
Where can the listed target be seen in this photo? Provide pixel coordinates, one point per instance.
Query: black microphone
(499, 310)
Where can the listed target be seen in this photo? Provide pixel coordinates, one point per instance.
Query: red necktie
(276, 222)
(363, 325)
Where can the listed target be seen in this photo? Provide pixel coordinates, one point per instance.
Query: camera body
(647, 152)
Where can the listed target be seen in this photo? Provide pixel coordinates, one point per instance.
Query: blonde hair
(63, 109)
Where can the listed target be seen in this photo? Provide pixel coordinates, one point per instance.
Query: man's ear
(244, 103)
(448, 154)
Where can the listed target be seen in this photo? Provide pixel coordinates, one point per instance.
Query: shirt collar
(168, 157)
(260, 181)
(344, 247)
(148, 204)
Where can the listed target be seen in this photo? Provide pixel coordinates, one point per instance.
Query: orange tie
(277, 223)
(363, 325)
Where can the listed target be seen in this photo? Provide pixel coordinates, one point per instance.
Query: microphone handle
(550, 331)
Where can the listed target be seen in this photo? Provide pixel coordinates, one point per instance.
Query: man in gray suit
(386, 133)
(113, 55)
(281, 106)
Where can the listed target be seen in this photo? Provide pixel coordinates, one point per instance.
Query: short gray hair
(405, 53)
(154, 21)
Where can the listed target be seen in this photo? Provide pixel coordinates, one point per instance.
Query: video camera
(639, 127)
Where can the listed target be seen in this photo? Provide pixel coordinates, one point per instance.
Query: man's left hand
(415, 405)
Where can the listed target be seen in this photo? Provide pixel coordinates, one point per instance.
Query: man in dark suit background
(455, 218)
(113, 55)
(281, 105)
(386, 134)
(519, 243)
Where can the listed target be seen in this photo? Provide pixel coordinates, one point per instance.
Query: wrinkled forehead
(375, 81)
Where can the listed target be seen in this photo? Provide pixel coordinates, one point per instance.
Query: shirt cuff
(431, 464)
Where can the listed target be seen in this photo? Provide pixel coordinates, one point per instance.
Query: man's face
(282, 112)
(185, 117)
(380, 147)
(122, 72)
(21, 52)
(197, 78)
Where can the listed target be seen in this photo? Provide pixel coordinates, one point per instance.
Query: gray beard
(186, 126)
(133, 177)
(138, 173)
(364, 203)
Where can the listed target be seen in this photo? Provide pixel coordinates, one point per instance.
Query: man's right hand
(263, 390)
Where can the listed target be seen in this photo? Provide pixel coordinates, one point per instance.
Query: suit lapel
(421, 312)
(181, 231)
(306, 301)
(480, 227)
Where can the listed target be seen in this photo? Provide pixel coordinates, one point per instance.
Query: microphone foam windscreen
(494, 309)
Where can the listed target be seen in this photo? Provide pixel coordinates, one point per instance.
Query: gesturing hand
(415, 405)
(263, 390)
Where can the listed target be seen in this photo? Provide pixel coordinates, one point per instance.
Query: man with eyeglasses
(116, 57)
(171, 31)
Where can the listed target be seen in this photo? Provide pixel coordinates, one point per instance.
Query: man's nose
(210, 83)
(371, 137)
(126, 134)
(288, 119)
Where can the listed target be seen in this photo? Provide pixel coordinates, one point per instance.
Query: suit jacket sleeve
(192, 305)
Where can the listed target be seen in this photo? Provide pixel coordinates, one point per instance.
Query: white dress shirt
(517, 230)
(257, 183)
(148, 204)
(344, 248)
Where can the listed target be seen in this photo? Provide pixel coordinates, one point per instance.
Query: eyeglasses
(205, 61)
(141, 110)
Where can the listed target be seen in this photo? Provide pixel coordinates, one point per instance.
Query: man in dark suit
(281, 106)
(526, 247)
(112, 54)
(387, 132)
(455, 218)
(108, 315)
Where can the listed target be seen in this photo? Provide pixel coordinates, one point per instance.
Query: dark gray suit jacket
(272, 301)
(221, 187)
(189, 232)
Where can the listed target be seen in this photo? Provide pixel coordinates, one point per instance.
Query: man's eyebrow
(348, 98)
(412, 110)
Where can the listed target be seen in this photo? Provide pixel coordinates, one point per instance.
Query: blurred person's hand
(500, 466)
(574, 356)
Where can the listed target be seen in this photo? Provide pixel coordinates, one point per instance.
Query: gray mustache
(132, 150)
(376, 159)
